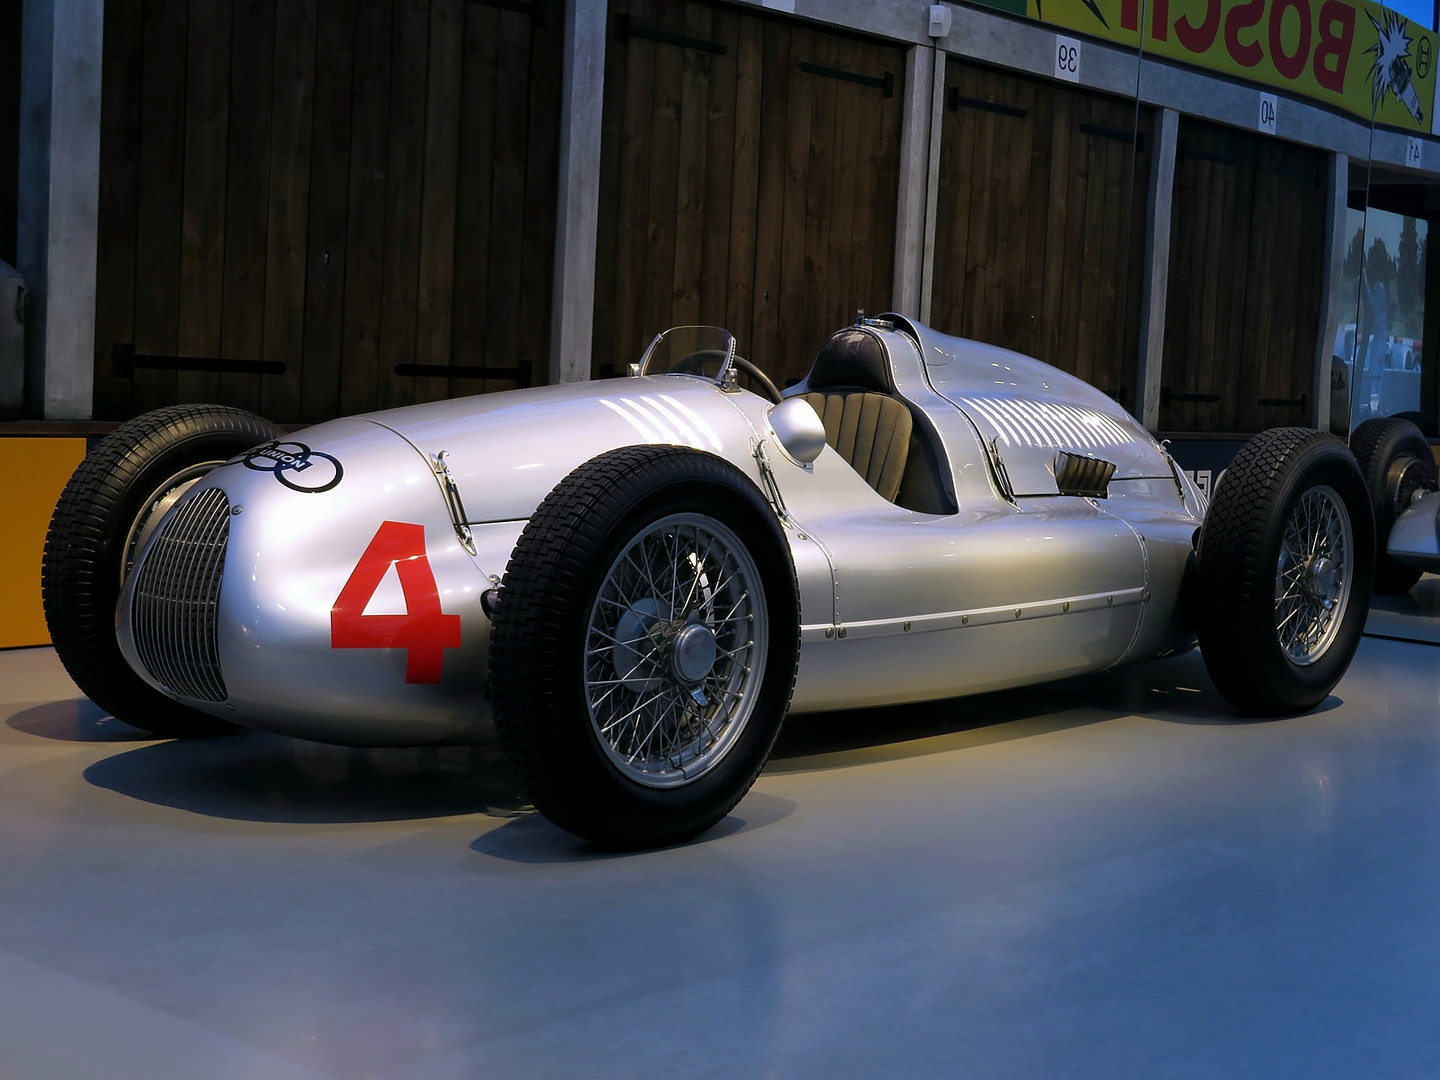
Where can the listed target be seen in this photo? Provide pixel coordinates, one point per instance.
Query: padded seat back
(870, 431)
(849, 386)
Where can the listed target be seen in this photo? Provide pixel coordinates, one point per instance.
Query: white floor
(1109, 877)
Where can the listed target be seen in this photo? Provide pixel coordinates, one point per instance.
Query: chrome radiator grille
(174, 611)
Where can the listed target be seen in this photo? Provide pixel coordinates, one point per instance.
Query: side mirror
(798, 430)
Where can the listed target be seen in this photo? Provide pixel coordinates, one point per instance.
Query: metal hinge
(1002, 477)
(452, 500)
(769, 485)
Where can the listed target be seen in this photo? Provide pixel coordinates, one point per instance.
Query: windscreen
(706, 351)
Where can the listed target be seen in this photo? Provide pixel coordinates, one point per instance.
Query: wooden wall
(1247, 252)
(749, 180)
(1040, 231)
(317, 207)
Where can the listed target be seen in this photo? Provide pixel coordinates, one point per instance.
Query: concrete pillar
(932, 188)
(914, 181)
(1336, 305)
(1157, 267)
(59, 203)
(572, 305)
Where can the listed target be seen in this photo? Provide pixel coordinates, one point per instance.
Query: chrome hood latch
(770, 486)
(452, 500)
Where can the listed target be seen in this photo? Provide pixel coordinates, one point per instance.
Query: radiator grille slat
(174, 613)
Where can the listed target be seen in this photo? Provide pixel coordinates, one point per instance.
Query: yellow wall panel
(34, 471)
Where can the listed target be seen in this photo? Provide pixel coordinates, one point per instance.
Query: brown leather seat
(849, 386)
(870, 431)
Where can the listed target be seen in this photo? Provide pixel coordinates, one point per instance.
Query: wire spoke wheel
(1313, 575)
(675, 650)
(1283, 572)
(644, 646)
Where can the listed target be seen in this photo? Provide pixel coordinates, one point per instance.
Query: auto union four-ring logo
(295, 465)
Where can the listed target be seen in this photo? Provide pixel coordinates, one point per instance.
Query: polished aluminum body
(358, 553)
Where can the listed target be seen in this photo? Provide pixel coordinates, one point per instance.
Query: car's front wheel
(1283, 571)
(105, 515)
(644, 646)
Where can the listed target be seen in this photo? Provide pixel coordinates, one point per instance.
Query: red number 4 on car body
(424, 631)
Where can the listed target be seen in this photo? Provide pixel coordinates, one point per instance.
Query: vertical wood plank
(819, 181)
(158, 211)
(691, 158)
(435, 300)
(288, 216)
(409, 71)
(542, 170)
(1057, 341)
(368, 188)
(328, 209)
(202, 246)
(632, 202)
(718, 207)
(507, 192)
(470, 340)
(792, 349)
(771, 187)
(658, 288)
(745, 187)
(247, 197)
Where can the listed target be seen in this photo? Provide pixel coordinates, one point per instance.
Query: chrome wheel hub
(1321, 581)
(1313, 575)
(693, 654)
(675, 650)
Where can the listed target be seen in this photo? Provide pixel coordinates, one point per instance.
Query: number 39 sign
(1067, 59)
(423, 631)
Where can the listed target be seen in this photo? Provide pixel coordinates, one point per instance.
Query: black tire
(549, 657)
(1395, 461)
(1257, 645)
(95, 532)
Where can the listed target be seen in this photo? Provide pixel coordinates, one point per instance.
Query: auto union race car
(630, 582)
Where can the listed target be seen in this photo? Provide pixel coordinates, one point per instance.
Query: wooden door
(749, 180)
(1040, 222)
(1246, 262)
(317, 207)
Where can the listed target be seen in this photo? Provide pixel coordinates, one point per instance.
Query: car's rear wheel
(107, 511)
(1283, 572)
(1396, 462)
(644, 646)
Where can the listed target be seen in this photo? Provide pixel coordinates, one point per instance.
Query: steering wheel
(768, 387)
(696, 363)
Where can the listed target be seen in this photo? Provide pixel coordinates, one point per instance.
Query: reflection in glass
(1378, 357)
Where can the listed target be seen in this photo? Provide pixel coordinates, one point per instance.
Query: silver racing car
(630, 582)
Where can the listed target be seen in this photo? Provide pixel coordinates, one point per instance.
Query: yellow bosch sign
(1356, 56)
